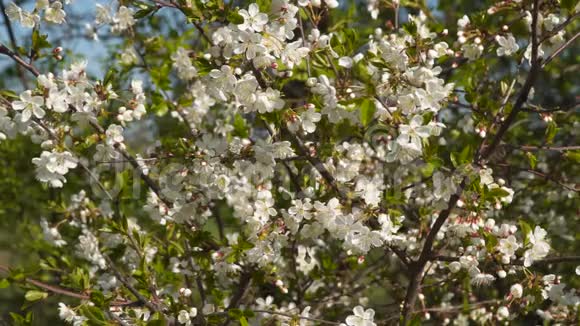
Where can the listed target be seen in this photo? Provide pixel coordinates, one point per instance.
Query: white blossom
(361, 317)
(25, 18)
(309, 119)
(540, 247)
(123, 19)
(254, 20)
(29, 105)
(114, 134)
(508, 45)
(516, 291)
(55, 14)
(185, 317)
(51, 234)
(183, 65)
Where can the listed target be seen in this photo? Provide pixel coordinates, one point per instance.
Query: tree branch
(545, 261)
(560, 27)
(560, 49)
(13, 42)
(245, 280)
(418, 267)
(540, 174)
(298, 316)
(6, 51)
(69, 293)
(131, 288)
(529, 148)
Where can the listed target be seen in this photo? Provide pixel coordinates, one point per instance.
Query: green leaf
(235, 313)
(466, 154)
(156, 322)
(416, 321)
(526, 229)
(21, 321)
(498, 192)
(4, 283)
(109, 76)
(144, 12)
(454, 159)
(490, 241)
(410, 28)
(551, 132)
(367, 112)
(94, 314)
(9, 94)
(569, 4)
(34, 295)
(427, 170)
(235, 18)
(573, 155)
(39, 41)
(160, 76)
(98, 298)
(532, 159)
(243, 321)
(240, 128)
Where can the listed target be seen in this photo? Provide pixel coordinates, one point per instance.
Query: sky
(94, 51)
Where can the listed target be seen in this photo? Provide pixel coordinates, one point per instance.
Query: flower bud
(502, 313)
(516, 291)
(310, 82)
(185, 292)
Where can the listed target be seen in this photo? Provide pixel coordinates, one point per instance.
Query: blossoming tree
(294, 162)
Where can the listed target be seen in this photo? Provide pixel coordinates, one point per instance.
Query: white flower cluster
(52, 12)
(51, 167)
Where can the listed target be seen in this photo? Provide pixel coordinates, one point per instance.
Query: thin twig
(461, 307)
(540, 174)
(560, 27)
(560, 49)
(483, 153)
(545, 261)
(150, 183)
(297, 316)
(13, 43)
(6, 51)
(244, 283)
(66, 292)
(538, 109)
(131, 288)
(545, 148)
(301, 26)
